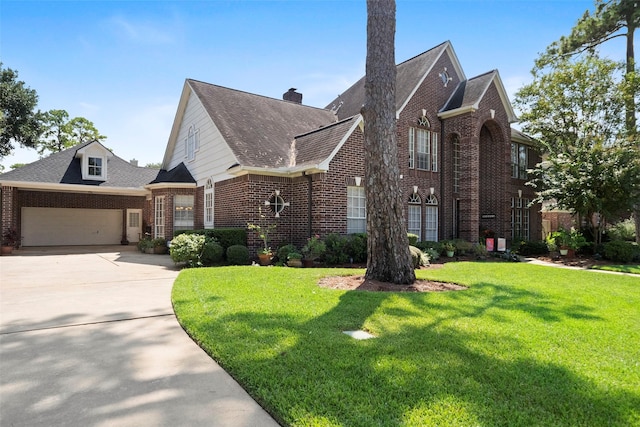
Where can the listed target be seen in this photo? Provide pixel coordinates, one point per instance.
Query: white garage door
(56, 227)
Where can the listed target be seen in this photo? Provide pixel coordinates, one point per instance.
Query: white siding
(214, 156)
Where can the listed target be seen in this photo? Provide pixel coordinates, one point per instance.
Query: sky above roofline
(122, 64)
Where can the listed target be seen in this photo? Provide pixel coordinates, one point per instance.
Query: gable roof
(178, 175)
(409, 75)
(469, 93)
(259, 130)
(64, 167)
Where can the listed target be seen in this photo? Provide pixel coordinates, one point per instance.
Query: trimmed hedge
(621, 251)
(226, 237)
(238, 255)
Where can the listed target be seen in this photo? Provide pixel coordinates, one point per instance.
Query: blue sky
(122, 64)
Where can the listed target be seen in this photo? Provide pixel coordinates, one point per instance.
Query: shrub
(426, 245)
(624, 230)
(462, 246)
(314, 248)
(284, 251)
(187, 248)
(356, 247)
(432, 253)
(238, 255)
(224, 236)
(480, 250)
(212, 252)
(621, 251)
(448, 246)
(531, 247)
(413, 239)
(335, 249)
(418, 257)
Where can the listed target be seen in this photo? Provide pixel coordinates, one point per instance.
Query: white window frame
(208, 203)
(423, 149)
(192, 143)
(519, 160)
(356, 210)
(183, 212)
(158, 216)
(431, 219)
(99, 166)
(414, 216)
(456, 164)
(520, 218)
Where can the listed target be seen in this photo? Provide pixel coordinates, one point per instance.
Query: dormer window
(94, 159)
(95, 167)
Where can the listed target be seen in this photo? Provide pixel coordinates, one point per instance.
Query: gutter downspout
(442, 170)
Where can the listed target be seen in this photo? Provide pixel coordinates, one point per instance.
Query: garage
(64, 226)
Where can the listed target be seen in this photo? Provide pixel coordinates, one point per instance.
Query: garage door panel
(59, 226)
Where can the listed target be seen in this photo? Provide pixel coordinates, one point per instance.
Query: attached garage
(65, 226)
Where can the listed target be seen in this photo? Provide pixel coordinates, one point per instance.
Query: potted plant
(262, 230)
(294, 259)
(449, 248)
(562, 238)
(313, 250)
(10, 240)
(145, 245)
(159, 245)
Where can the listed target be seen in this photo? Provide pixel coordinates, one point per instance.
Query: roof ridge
(495, 70)
(423, 53)
(325, 127)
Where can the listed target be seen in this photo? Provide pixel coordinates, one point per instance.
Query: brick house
(232, 154)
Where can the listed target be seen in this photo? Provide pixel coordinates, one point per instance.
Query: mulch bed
(360, 283)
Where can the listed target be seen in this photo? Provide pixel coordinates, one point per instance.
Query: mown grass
(622, 268)
(525, 345)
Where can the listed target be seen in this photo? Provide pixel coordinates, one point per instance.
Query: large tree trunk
(389, 259)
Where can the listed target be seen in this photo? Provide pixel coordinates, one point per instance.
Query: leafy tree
(19, 121)
(611, 19)
(389, 259)
(61, 133)
(153, 165)
(17, 165)
(576, 111)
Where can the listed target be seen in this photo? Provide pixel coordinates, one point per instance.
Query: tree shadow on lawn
(444, 377)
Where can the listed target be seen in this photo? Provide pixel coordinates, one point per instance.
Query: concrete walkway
(90, 339)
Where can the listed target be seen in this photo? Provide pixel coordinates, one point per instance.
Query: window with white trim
(158, 217)
(95, 167)
(208, 203)
(182, 212)
(414, 220)
(520, 218)
(431, 219)
(456, 163)
(519, 160)
(356, 210)
(192, 143)
(423, 148)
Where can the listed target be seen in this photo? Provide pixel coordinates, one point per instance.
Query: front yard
(524, 345)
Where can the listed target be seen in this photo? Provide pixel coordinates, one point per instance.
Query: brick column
(8, 214)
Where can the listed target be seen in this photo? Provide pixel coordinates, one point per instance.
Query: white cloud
(142, 32)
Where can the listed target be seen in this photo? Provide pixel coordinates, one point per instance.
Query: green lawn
(525, 345)
(622, 268)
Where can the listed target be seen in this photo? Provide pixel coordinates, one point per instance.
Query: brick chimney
(293, 96)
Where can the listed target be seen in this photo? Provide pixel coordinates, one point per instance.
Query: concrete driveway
(90, 339)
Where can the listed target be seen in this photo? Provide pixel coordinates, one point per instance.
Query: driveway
(90, 339)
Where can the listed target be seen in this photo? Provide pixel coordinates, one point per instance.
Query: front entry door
(134, 225)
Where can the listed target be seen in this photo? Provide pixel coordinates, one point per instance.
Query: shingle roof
(316, 146)
(409, 73)
(64, 168)
(469, 92)
(179, 174)
(259, 130)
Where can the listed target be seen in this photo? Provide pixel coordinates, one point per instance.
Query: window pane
(431, 224)
(434, 152)
(414, 222)
(514, 160)
(422, 148)
(356, 210)
(411, 147)
(522, 162)
(183, 212)
(159, 217)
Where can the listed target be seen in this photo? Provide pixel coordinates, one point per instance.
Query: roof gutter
(290, 172)
(75, 188)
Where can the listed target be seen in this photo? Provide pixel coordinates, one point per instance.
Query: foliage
(572, 239)
(16, 165)
(524, 345)
(225, 236)
(463, 246)
(187, 248)
(284, 251)
(157, 165)
(60, 133)
(212, 252)
(413, 239)
(10, 237)
(621, 251)
(314, 248)
(238, 255)
(623, 230)
(480, 250)
(426, 245)
(159, 241)
(448, 246)
(262, 229)
(356, 247)
(336, 253)
(418, 258)
(19, 121)
(531, 247)
(294, 255)
(144, 243)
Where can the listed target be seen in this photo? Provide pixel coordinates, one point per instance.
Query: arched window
(208, 203)
(431, 219)
(423, 146)
(414, 220)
